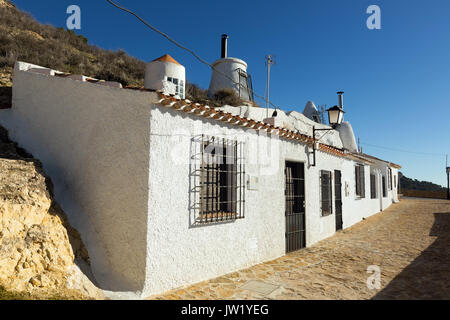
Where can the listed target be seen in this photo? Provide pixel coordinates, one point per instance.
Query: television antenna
(321, 113)
(270, 60)
(447, 170)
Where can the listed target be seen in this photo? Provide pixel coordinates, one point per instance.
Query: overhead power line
(190, 51)
(404, 151)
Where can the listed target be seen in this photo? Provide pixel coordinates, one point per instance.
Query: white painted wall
(180, 254)
(94, 143)
(120, 166)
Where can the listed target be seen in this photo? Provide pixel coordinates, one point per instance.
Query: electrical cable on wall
(190, 51)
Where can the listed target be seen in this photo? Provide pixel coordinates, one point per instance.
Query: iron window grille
(221, 183)
(390, 178)
(326, 193)
(245, 85)
(384, 187)
(360, 181)
(373, 187)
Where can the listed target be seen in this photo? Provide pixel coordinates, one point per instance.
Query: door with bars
(338, 198)
(295, 206)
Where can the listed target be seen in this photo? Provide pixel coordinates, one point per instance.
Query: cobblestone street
(410, 242)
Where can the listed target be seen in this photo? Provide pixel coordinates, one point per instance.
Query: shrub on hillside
(63, 50)
(23, 38)
(227, 97)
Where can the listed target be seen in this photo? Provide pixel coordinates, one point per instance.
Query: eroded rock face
(6, 4)
(37, 245)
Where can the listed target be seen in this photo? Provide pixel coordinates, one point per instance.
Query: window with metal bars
(326, 193)
(360, 181)
(222, 185)
(245, 87)
(373, 186)
(390, 178)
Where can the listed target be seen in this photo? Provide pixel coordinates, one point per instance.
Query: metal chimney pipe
(341, 99)
(224, 49)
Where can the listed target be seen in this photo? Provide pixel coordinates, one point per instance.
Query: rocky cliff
(40, 254)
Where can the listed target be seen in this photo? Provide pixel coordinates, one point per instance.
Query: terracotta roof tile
(167, 58)
(219, 115)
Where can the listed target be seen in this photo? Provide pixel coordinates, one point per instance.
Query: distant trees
(414, 184)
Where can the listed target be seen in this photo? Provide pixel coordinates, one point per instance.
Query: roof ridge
(219, 115)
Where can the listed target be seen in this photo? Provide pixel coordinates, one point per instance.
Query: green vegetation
(414, 184)
(23, 38)
(221, 98)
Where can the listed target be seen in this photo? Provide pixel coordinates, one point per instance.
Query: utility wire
(404, 151)
(190, 51)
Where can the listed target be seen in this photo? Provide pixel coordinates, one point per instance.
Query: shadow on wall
(427, 277)
(5, 97)
(9, 150)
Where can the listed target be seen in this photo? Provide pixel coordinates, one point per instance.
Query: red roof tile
(167, 58)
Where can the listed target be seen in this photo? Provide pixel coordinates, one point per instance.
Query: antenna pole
(269, 62)
(447, 168)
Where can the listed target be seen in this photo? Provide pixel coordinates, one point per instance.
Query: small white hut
(167, 75)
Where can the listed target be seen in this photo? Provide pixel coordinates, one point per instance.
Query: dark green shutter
(326, 193)
(363, 182)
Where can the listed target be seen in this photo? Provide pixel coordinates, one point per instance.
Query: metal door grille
(338, 198)
(373, 187)
(326, 192)
(245, 85)
(295, 206)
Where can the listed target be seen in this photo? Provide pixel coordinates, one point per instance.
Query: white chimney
(167, 75)
(341, 99)
(228, 73)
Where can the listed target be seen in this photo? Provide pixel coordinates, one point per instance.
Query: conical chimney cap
(167, 58)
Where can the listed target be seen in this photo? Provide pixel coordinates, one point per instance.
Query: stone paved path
(410, 242)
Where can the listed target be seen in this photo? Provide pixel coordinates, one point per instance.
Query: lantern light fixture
(335, 115)
(335, 118)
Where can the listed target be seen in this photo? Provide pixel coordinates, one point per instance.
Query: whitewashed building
(166, 192)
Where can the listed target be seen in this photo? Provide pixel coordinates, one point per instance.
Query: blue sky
(396, 80)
